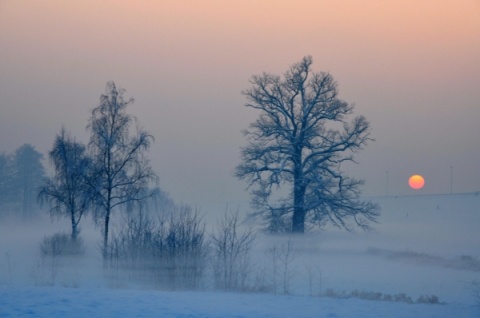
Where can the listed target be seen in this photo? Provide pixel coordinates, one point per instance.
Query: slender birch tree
(67, 192)
(121, 173)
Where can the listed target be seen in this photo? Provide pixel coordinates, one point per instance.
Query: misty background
(411, 67)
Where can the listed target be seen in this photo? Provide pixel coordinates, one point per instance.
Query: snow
(423, 245)
(70, 302)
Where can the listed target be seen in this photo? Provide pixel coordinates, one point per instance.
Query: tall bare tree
(121, 171)
(296, 147)
(67, 192)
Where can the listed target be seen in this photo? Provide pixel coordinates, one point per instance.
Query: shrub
(426, 299)
(61, 244)
(170, 253)
(369, 295)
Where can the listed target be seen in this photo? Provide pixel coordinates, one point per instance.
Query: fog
(410, 67)
(422, 245)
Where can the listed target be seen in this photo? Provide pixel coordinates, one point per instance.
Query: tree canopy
(67, 192)
(296, 148)
(120, 172)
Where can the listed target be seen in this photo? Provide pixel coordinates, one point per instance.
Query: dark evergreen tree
(28, 175)
(7, 193)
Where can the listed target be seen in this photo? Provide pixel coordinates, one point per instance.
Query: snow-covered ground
(69, 302)
(423, 245)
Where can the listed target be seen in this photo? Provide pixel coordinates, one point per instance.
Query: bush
(53, 249)
(426, 299)
(61, 244)
(369, 295)
(168, 253)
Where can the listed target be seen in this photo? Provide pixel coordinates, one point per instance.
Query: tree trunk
(105, 235)
(107, 215)
(298, 218)
(74, 224)
(74, 228)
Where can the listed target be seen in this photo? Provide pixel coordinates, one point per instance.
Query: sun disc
(416, 182)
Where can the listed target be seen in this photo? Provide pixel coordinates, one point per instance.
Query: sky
(411, 67)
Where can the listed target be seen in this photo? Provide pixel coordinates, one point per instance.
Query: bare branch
(121, 175)
(294, 143)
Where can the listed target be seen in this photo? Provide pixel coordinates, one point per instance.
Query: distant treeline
(21, 173)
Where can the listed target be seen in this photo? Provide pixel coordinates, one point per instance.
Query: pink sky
(411, 67)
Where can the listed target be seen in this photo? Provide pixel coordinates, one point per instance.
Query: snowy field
(68, 302)
(422, 246)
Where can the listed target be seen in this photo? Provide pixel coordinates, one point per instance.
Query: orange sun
(416, 182)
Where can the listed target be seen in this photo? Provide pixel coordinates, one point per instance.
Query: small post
(387, 182)
(451, 179)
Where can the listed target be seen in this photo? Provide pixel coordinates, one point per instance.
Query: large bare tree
(121, 173)
(67, 192)
(296, 148)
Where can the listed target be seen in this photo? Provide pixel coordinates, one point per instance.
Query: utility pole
(451, 179)
(387, 182)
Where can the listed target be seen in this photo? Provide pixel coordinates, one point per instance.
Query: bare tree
(286, 257)
(232, 248)
(314, 278)
(121, 172)
(281, 256)
(67, 191)
(272, 255)
(297, 145)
